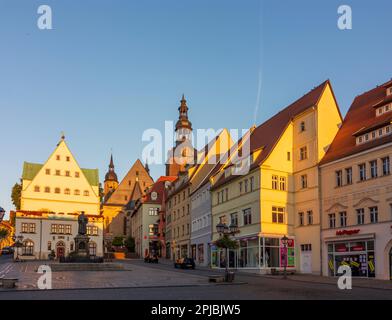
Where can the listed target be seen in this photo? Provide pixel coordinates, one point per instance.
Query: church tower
(183, 154)
(111, 181)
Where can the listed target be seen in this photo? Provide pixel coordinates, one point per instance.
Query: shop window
(28, 248)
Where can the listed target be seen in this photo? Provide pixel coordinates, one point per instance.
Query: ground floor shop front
(257, 252)
(366, 250)
(176, 250)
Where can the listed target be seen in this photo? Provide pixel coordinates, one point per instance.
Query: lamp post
(2, 214)
(284, 242)
(223, 230)
(18, 243)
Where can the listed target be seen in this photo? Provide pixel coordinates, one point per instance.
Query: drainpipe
(321, 219)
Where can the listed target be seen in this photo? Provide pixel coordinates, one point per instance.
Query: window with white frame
(278, 214)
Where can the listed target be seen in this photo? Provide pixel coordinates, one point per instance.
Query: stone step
(58, 267)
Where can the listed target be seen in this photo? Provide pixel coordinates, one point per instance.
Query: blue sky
(111, 69)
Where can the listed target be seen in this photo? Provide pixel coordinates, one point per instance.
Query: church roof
(30, 170)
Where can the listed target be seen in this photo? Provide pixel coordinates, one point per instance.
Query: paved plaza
(161, 282)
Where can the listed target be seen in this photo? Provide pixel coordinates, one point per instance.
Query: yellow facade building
(274, 190)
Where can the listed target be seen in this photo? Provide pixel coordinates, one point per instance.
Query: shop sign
(347, 232)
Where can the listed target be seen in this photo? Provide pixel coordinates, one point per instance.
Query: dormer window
(302, 126)
(389, 91)
(375, 134)
(383, 109)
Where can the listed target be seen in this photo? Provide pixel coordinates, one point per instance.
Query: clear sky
(111, 69)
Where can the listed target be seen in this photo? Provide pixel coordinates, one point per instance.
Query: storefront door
(306, 262)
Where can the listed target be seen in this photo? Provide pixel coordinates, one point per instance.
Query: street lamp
(285, 241)
(223, 230)
(2, 214)
(18, 243)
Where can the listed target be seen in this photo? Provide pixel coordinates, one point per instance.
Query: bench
(216, 279)
(9, 283)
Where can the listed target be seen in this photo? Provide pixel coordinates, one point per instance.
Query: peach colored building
(356, 190)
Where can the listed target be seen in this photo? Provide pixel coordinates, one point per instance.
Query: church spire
(111, 174)
(111, 165)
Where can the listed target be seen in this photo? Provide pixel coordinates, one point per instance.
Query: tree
(4, 234)
(16, 195)
(130, 244)
(118, 241)
(226, 243)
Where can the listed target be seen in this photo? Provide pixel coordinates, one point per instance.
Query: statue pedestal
(82, 245)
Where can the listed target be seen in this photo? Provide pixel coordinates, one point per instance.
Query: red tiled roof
(360, 118)
(159, 188)
(267, 134)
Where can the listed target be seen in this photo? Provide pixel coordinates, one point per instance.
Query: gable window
(77, 174)
(67, 173)
(86, 193)
(277, 215)
(58, 172)
(282, 183)
(360, 216)
(332, 220)
(343, 218)
(58, 157)
(36, 189)
(349, 175)
(57, 190)
(339, 178)
(373, 214)
(303, 153)
(373, 169)
(362, 172)
(386, 166)
(301, 218)
(275, 182)
(302, 126)
(47, 172)
(67, 191)
(304, 181)
(247, 216)
(68, 159)
(310, 217)
(47, 189)
(77, 192)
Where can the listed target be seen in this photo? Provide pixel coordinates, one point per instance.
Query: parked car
(185, 263)
(7, 251)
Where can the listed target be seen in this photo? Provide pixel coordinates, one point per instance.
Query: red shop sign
(347, 232)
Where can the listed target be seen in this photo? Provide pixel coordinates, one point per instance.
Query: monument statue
(82, 221)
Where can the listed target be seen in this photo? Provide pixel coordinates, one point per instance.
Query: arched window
(47, 189)
(67, 191)
(92, 248)
(86, 193)
(28, 248)
(36, 189)
(57, 190)
(77, 192)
